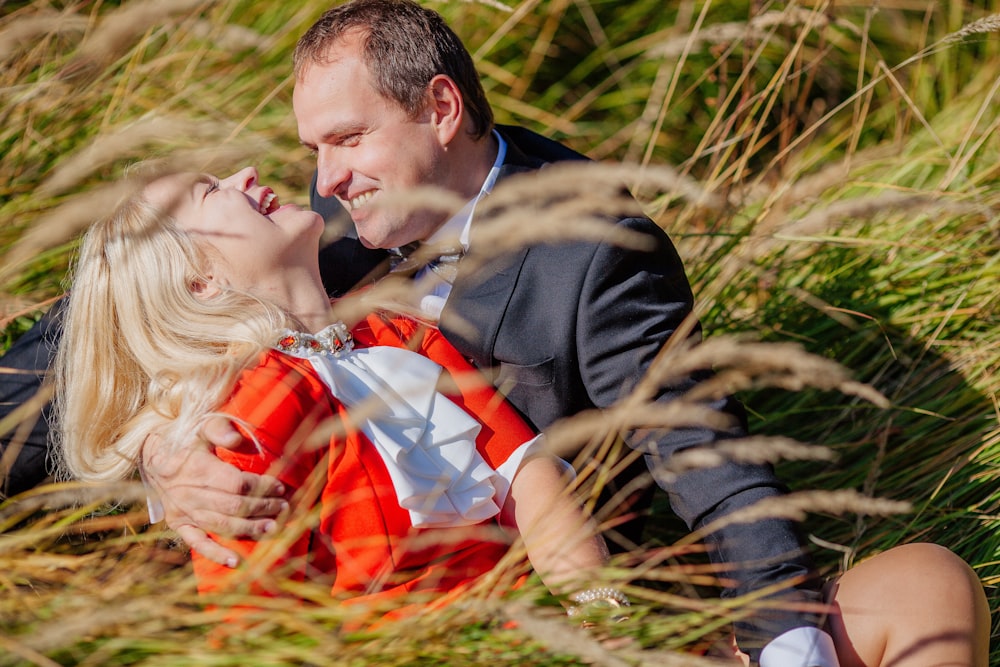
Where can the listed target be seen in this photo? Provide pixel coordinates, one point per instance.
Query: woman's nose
(242, 180)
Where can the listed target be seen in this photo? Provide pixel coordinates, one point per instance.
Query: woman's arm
(564, 546)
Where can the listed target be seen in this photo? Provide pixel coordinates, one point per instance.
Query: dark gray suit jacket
(572, 326)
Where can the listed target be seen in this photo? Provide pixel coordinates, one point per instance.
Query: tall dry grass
(827, 171)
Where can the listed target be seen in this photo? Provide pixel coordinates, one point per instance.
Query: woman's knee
(922, 574)
(929, 569)
(910, 595)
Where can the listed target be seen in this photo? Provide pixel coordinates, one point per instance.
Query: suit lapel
(476, 306)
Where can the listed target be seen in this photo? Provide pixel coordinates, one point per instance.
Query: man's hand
(201, 493)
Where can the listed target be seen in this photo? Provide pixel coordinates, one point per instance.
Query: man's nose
(332, 174)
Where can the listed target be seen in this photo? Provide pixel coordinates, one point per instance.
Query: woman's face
(257, 240)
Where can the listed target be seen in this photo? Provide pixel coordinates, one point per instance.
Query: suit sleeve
(631, 304)
(22, 373)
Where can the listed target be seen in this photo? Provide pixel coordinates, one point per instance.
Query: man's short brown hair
(404, 47)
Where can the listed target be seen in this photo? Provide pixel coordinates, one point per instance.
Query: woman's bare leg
(914, 605)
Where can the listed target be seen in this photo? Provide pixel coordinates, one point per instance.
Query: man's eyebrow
(333, 134)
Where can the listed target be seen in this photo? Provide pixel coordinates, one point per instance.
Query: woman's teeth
(269, 204)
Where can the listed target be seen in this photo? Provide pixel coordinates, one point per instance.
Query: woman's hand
(200, 493)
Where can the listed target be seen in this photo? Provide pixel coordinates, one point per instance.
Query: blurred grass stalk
(845, 160)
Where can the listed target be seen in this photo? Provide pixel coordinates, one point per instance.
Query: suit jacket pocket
(532, 375)
(531, 389)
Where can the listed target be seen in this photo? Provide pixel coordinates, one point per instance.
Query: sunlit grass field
(828, 171)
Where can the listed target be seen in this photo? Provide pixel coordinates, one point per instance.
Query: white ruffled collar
(427, 443)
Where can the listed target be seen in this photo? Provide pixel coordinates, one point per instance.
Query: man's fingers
(262, 508)
(230, 526)
(255, 486)
(223, 506)
(203, 544)
(202, 494)
(220, 432)
(200, 541)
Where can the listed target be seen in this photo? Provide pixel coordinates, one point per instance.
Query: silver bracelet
(598, 598)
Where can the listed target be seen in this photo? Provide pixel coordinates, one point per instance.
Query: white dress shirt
(800, 647)
(457, 227)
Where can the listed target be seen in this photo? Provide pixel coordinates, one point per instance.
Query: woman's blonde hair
(142, 352)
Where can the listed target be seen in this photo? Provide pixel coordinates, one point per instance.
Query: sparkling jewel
(334, 340)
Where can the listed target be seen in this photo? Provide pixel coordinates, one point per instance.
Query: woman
(200, 297)
(179, 302)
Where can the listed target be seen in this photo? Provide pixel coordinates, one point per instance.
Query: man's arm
(25, 410)
(632, 303)
(196, 491)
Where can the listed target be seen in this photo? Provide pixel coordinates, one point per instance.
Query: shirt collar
(458, 225)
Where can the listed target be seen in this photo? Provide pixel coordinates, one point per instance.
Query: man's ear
(447, 108)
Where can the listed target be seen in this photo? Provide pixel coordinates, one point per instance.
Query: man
(388, 98)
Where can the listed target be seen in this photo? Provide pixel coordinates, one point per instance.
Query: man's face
(365, 145)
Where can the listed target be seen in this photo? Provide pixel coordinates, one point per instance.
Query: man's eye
(351, 140)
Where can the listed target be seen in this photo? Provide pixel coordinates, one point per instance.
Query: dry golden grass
(857, 220)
